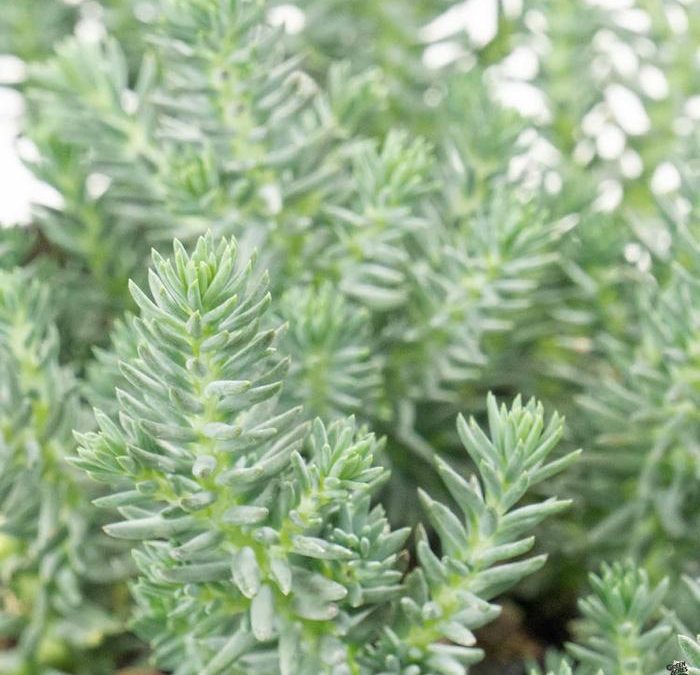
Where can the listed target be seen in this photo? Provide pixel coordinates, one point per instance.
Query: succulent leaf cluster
(279, 258)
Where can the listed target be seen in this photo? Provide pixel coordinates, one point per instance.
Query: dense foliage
(280, 353)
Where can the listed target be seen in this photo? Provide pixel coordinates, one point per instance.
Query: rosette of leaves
(483, 276)
(447, 597)
(335, 367)
(624, 630)
(238, 503)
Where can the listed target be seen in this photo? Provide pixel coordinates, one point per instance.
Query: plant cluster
(248, 350)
